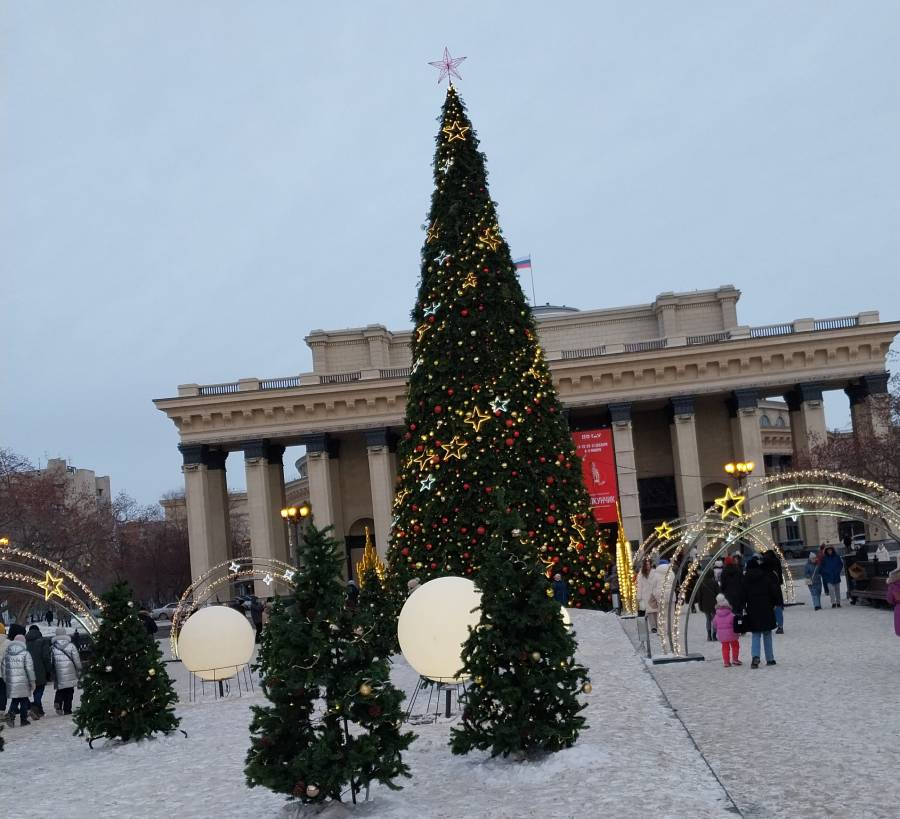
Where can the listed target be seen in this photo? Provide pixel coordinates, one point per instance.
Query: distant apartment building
(84, 484)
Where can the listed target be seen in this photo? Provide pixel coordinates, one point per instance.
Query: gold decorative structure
(370, 560)
(624, 571)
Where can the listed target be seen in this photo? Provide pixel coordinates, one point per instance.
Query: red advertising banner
(598, 468)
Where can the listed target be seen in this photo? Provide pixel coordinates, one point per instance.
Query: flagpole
(531, 273)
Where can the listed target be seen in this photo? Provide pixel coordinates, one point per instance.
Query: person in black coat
(706, 599)
(761, 594)
(732, 583)
(773, 564)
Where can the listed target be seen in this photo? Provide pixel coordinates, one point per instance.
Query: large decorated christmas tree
(482, 412)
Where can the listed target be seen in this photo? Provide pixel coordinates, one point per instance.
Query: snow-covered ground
(816, 735)
(635, 760)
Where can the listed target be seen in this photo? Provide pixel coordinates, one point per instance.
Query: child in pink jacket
(724, 624)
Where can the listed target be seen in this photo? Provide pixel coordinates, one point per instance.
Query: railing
(340, 378)
(219, 389)
(710, 338)
(396, 372)
(280, 383)
(644, 346)
(836, 323)
(771, 330)
(585, 352)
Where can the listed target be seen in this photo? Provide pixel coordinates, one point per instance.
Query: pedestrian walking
(893, 597)
(560, 590)
(725, 633)
(39, 648)
(352, 594)
(732, 583)
(18, 674)
(655, 600)
(761, 594)
(773, 564)
(707, 596)
(4, 644)
(643, 585)
(831, 568)
(66, 669)
(147, 621)
(256, 610)
(813, 580)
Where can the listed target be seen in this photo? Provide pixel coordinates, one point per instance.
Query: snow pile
(635, 760)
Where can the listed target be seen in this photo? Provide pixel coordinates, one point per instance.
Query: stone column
(808, 431)
(265, 500)
(746, 437)
(688, 483)
(626, 470)
(206, 506)
(323, 469)
(379, 443)
(870, 413)
(870, 408)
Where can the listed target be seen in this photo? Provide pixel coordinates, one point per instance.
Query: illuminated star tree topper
(447, 66)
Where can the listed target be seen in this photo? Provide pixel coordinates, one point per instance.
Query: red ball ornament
(464, 312)
(438, 410)
(509, 422)
(514, 473)
(489, 489)
(449, 390)
(528, 410)
(542, 459)
(404, 551)
(445, 520)
(510, 441)
(467, 487)
(481, 530)
(565, 569)
(465, 555)
(412, 427)
(431, 319)
(516, 434)
(531, 533)
(582, 590)
(550, 480)
(434, 566)
(420, 447)
(464, 529)
(552, 506)
(429, 547)
(481, 307)
(551, 519)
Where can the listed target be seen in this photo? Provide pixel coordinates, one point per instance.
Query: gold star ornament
(51, 585)
(455, 448)
(490, 238)
(477, 419)
(731, 504)
(455, 130)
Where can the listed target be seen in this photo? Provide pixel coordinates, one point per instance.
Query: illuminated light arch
(36, 576)
(786, 496)
(265, 569)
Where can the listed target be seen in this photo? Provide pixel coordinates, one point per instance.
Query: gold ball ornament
(587, 688)
(549, 592)
(312, 791)
(152, 672)
(536, 656)
(365, 690)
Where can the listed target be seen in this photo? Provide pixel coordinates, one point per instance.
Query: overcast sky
(189, 187)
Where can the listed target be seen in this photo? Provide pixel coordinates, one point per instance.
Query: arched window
(764, 421)
(779, 421)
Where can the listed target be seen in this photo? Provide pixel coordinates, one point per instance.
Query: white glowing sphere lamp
(434, 624)
(215, 642)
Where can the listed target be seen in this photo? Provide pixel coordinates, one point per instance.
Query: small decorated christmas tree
(127, 693)
(323, 674)
(523, 695)
(375, 612)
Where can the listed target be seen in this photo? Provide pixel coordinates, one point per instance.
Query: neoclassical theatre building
(683, 386)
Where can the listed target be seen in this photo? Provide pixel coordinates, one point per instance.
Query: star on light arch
(731, 504)
(51, 585)
(793, 511)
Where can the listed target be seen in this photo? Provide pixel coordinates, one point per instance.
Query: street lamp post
(294, 516)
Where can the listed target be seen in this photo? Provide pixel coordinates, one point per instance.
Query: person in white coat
(643, 585)
(17, 671)
(66, 670)
(654, 600)
(4, 642)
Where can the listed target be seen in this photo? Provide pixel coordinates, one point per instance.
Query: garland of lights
(804, 493)
(57, 583)
(267, 569)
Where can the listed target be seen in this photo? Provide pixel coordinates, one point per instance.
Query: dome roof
(548, 310)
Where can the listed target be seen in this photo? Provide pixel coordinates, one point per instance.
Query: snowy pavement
(815, 735)
(634, 761)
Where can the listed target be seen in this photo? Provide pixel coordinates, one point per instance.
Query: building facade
(682, 384)
(79, 484)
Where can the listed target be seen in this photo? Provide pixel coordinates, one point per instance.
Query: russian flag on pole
(523, 263)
